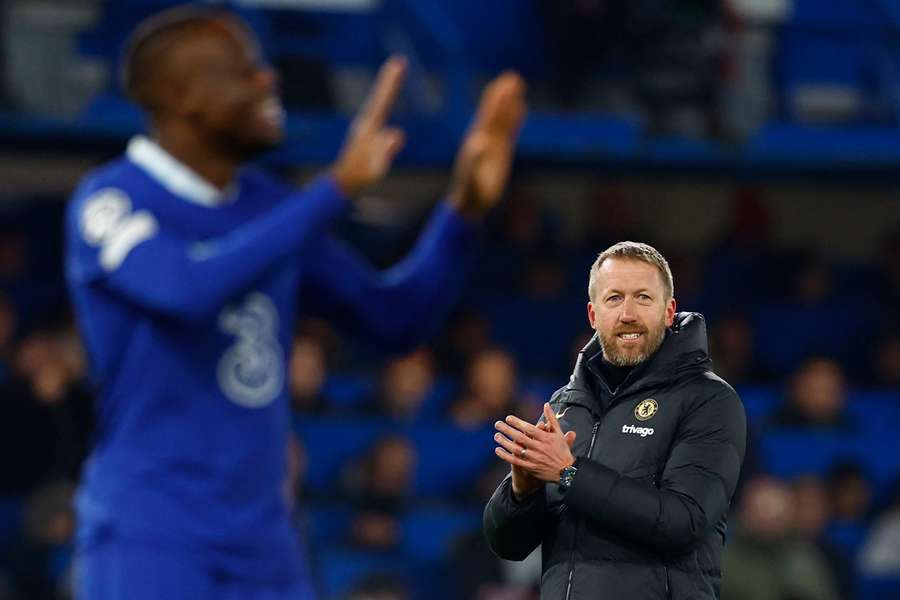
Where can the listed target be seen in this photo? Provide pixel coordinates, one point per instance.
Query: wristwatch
(567, 475)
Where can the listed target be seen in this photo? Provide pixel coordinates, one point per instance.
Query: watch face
(566, 476)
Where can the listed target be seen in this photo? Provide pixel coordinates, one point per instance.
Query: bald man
(187, 270)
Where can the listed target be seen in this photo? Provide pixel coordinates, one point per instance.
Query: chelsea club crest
(646, 409)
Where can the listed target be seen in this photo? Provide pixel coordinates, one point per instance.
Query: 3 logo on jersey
(251, 371)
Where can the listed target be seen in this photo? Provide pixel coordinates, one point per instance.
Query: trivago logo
(641, 431)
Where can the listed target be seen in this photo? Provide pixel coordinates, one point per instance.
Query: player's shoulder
(112, 195)
(119, 178)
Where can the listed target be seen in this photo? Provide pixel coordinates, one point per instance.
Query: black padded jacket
(658, 461)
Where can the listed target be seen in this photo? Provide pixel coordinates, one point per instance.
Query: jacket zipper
(577, 521)
(665, 566)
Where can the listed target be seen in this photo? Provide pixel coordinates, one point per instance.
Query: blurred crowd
(391, 462)
(809, 344)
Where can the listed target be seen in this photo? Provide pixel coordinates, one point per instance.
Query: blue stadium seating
(326, 457)
(759, 401)
(450, 460)
(329, 524)
(340, 568)
(428, 534)
(348, 391)
(10, 517)
(878, 587)
(788, 453)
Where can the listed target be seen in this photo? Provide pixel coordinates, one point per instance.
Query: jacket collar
(174, 175)
(685, 348)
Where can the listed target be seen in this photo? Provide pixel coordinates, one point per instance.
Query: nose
(628, 315)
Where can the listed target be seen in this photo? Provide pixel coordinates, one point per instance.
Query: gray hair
(633, 251)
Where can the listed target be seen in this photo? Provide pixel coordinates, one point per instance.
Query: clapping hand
(485, 156)
(537, 453)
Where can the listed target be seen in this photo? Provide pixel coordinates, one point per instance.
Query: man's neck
(210, 163)
(614, 374)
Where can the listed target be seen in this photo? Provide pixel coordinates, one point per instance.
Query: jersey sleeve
(401, 306)
(120, 245)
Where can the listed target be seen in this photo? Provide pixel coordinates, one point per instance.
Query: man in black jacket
(626, 480)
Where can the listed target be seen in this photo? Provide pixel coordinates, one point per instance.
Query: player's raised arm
(400, 307)
(485, 156)
(123, 248)
(370, 145)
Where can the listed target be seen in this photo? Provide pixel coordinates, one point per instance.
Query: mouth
(630, 337)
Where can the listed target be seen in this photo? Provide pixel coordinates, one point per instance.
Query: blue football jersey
(186, 297)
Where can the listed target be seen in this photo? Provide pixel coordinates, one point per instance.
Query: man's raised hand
(485, 156)
(370, 146)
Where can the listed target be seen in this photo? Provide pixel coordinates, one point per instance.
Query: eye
(644, 297)
(613, 298)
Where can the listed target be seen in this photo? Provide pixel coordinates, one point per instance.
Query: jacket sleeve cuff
(591, 487)
(526, 504)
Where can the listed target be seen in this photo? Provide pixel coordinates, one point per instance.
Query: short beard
(612, 355)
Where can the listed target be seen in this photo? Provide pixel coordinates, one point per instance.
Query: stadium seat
(760, 401)
(789, 453)
(450, 459)
(428, 534)
(10, 517)
(326, 458)
(340, 569)
(788, 333)
(328, 523)
(346, 392)
(878, 587)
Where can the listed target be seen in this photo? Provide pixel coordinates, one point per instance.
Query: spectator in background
(54, 364)
(739, 266)
(521, 233)
(38, 562)
(380, 586)
(816, 398)
(13, 257)
(297, 462)
(48, 420)
(8, 327)
(731, 345)
(609, 218)
(880, 553)
(811, 514)
(405, 385)
(380, 488)
(811, 282)
(467, 334)
(491, 391)
(850, 495)
(481, 575)
(890, 275)
(545, 277)
(307, 371)
(687, 269)
(763, 561)
(887, 362)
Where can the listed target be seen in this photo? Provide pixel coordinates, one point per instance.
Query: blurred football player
(188, 269)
